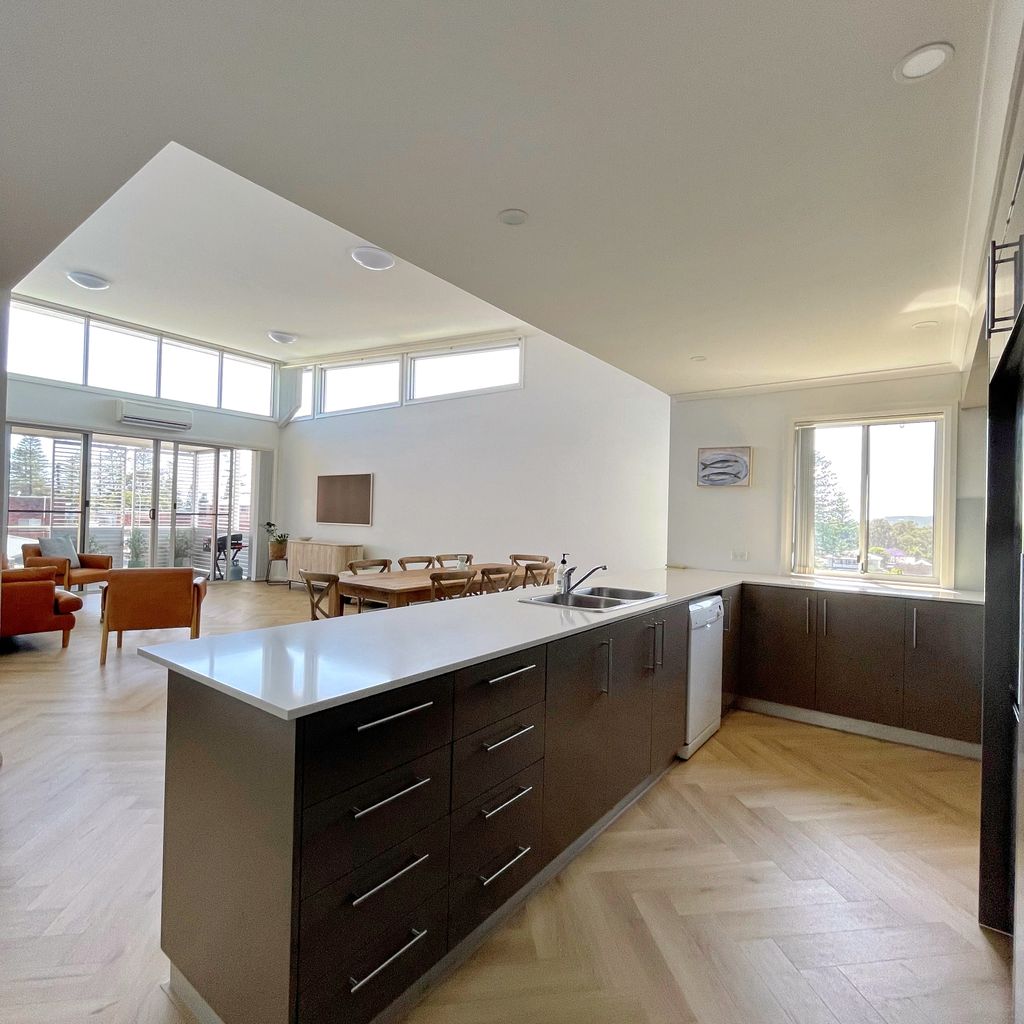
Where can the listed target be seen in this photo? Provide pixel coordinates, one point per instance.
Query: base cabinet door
(943, 669)
(778, 644)
(672, 651)
(627, 744)
(732, 605)
(575, 734)
(860, 657)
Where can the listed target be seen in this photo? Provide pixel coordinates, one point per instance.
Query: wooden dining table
(398, 589)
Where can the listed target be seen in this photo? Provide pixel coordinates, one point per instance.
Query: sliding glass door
(142, 502)
(45, 487)
(120, 492)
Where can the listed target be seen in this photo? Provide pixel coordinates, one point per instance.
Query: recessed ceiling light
(372, 258)
(513, 218)
(698, 359)
(923, 61)
(282, 337)
(84, 279)
(925, 325)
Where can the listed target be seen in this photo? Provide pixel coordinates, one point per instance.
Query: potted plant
(278, 545)
(136, 549)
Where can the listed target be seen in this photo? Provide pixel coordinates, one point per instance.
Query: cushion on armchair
(59, 547)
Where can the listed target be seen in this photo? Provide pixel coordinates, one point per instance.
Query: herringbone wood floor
(786, 874)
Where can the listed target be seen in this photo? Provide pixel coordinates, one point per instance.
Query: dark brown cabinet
(860, 657)
(575, 750)
(668, 711)
(732, 631)
(943, 669)
(778, 645)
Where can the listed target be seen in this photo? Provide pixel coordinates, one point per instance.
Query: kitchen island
(352, 805)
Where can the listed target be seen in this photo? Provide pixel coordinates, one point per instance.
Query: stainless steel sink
(595, 599)
(619, 593)
(584, 601)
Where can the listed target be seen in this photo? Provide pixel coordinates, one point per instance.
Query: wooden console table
(320, 556)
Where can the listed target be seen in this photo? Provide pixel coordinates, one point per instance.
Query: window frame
(319, 388)
(311, 369)
(123, 325)
(943, 521)
(442, 350)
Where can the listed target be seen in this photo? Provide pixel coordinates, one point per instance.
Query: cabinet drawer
(351, 912)
(478, 893)
(364, 982)
(496, 689)
(344, 832)
(491, 755)
(499, 818)
(347, 745)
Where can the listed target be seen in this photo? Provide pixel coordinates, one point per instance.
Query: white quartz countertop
(294, 670)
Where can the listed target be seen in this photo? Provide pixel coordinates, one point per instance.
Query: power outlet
(740, 555)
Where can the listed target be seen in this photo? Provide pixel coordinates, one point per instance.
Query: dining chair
(443, 560)
(367, 567)
(497, 579)
(451, 584)
(416, 562)
(523, 560)
(322, 588)
(538, 574)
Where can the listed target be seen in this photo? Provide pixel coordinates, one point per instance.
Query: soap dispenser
(560, 570)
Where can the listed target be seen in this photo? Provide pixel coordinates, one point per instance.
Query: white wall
(575, 461)
(46, 404)
(706, 524)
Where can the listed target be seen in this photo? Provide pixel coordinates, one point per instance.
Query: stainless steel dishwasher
(704, 682)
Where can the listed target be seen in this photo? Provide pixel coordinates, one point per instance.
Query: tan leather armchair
(95, 568)
(150, 599)
(31, 603)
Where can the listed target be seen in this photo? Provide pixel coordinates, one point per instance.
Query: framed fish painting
(723, 467)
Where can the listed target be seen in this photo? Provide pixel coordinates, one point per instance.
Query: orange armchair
(95, 568)
(150, 599)
(31, 603)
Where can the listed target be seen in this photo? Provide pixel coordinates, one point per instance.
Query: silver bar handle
(417, 934)
(607, 688)
(913, 632)
(807, 616)
(509, 675)
(523, 790)
(387, 881)
(654, 647)
(661, 655)
(522, 731)
(824, 616)
(391, 718)
(522, 852)
(358, 812)
(727, 614)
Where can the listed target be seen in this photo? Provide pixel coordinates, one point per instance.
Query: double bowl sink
(596, 599)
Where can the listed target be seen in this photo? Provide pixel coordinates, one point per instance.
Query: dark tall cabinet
(778, 644)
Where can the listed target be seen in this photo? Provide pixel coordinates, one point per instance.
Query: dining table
(398, 589)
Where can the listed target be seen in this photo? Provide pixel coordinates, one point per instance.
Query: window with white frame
(78, 348)
(45, 343)
(869, 498)
(371, 384)
(464, 371)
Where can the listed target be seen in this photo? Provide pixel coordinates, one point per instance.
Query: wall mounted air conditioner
(156, 417)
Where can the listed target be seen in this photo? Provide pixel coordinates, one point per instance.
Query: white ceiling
(194, 249)
(741, 181)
